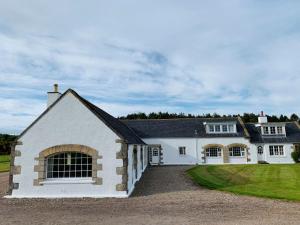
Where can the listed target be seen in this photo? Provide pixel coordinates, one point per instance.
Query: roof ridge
(204, 118)
(89, 105)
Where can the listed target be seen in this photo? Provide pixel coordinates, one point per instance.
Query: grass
(4, 163)
(271, 181)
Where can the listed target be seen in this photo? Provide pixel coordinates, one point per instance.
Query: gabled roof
(176, 128)
(292, 134)
(114, 124)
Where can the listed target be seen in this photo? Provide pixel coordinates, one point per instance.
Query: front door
(155, 155)
(260, 153)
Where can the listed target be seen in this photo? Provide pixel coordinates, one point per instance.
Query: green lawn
(272, 181)
(4, 163)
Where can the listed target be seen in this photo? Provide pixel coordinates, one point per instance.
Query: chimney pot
(55, 87)
(53, 96)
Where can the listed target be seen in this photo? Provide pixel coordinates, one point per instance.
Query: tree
(294, 117)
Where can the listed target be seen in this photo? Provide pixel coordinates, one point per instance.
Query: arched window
(260, 150)
(237, 151)
(68, 165)
(213, 152)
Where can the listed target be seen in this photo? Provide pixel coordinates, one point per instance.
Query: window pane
(273, 130)
(266, 130)
(211, 128)
(230, 128)
(69, 164)
(224, 128)
(213, 152)
(217, 128)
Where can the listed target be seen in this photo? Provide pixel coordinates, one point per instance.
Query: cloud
(195, 57)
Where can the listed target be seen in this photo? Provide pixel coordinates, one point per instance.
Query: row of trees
(5, 141)
(247, 117)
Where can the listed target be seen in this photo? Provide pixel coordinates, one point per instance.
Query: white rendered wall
(131, 172)
(69, 122)
(287, 158)
(171, 153)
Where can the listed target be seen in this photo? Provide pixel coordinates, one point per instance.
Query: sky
(194, 56)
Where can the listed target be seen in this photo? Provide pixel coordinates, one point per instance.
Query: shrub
(296, 155)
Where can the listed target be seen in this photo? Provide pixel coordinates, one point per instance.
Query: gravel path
(164, 196)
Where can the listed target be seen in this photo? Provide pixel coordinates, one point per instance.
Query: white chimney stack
(262, 118)
(53, 95)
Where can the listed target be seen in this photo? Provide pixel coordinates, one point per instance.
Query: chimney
(53, 95)
(262, 118)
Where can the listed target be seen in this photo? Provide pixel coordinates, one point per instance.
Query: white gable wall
(69, 122)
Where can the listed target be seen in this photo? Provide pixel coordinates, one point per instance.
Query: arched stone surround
(225, 150)
(40, 167)
(211, 146)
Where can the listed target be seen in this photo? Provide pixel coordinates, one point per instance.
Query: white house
(75, 149)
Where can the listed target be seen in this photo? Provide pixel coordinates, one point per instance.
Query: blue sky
(130, 56)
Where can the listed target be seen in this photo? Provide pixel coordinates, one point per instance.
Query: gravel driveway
(164, 196)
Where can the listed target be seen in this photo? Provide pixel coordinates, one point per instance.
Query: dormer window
(221, 128)
(273, 130)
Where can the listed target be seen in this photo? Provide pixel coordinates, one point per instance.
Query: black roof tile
(292, 134)
(172, 128)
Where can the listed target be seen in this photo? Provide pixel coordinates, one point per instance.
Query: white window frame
(218, 128)
(273, 130)
(266, 130)
(277, 151)
(233, 150)
(217, 149)
(279, 130)
(54, 164)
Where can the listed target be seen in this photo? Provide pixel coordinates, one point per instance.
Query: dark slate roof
(173, 128)
(292, 134)
(116, 125)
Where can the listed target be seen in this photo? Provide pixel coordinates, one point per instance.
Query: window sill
(68, 181)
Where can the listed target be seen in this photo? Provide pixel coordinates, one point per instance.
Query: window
(69, 165)
(230, 128)
(276, 150)
(221, 128)
(260, 150)
(213, 152)
(237, 151)
(266, 130)
(272, 130)
(182, 151)
(155, 152)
